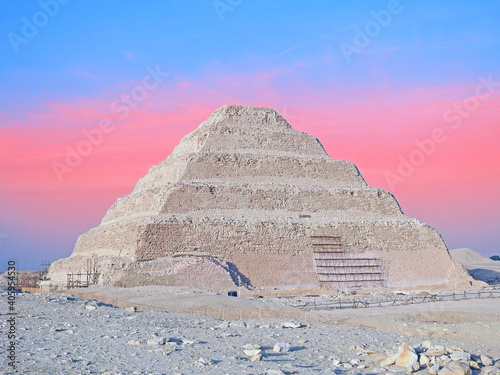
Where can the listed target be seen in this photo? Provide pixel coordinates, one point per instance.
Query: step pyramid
(269, 204)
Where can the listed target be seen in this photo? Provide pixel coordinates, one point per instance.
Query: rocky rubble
(60, 334)
(438, 359)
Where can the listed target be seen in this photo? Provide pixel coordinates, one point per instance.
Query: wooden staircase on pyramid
(338, 269)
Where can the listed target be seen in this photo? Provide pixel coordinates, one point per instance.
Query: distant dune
(466, 255)
(480, 267)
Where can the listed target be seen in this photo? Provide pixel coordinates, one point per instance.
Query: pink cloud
(366, 126)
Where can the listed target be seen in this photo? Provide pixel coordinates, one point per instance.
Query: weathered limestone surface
(247, 188)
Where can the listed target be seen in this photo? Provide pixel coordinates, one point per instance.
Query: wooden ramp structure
(338, 269)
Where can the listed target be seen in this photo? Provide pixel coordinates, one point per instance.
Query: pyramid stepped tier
(266, 203)
(183, 198)
(251, 168)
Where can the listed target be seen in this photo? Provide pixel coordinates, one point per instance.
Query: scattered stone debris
(438, 359)
(60, 336)
(281, 347)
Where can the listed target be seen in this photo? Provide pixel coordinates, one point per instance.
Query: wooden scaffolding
(83, 280)
(337, 269)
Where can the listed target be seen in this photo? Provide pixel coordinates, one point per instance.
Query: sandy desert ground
(64, 333)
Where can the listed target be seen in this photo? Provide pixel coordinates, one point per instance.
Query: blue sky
(89, 46)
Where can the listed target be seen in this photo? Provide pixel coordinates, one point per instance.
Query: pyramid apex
(248, 116)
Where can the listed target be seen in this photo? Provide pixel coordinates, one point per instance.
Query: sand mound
(479, 266)
(467, 256)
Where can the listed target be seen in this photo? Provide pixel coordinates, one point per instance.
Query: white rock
(137, 342)
(389, 360)
(238, 324)
(407, 357)
(413, 367)
(205, 361)
(459, 356)
(455, 368)
(434, 370)
(436, 351)
(90, 307)
(256, 358)
(486, 361)
(290, 325)
(427, 344)
(474, 365)
(281, 347)
(131, 309)
(252, 352)
(251, 346)
(423, 360)
(157, 341)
